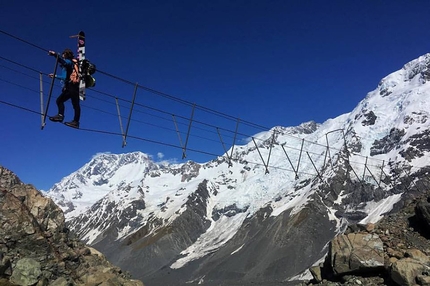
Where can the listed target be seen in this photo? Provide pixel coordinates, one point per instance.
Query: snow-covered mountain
(264, 211)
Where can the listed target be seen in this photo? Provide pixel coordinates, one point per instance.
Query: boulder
(356, 252)
(407, 270)
(422, 211)
(26, 272)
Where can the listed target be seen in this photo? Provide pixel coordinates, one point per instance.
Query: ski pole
(50, 91)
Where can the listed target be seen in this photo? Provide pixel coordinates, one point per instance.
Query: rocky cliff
(37, 249)
(394, 251)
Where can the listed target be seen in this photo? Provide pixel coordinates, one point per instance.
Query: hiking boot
(73, 124)
(57, 118)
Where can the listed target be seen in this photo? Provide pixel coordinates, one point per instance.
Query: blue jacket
(66, 68)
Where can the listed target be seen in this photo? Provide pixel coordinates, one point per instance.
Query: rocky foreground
(37, 249)
(394, 251)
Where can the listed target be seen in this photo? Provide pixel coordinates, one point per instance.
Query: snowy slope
(104, 173)
(127, 197)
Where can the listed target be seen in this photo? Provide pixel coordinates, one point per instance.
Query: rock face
(394, 251)
(36, 247)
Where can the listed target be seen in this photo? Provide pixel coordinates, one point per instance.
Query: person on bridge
(70, 79)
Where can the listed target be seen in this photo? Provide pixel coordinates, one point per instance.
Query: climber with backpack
(70, 79)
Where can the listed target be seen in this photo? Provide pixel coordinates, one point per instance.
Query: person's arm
(63, 62)
(61, 76)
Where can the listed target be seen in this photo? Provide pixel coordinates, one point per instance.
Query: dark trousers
(73, 94)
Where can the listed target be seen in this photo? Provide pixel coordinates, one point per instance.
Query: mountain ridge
(349, 169)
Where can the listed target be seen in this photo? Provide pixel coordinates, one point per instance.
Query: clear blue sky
(266, 62)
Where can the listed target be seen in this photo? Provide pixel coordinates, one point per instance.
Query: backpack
(87, 70)
(88, 67)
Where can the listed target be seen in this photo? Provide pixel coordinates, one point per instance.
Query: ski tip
(80, 35)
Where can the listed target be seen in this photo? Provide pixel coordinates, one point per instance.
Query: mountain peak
(415, 73)
(104, 173)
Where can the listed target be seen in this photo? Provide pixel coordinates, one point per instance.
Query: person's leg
(64, 96)
(74, 95)
(76, 105)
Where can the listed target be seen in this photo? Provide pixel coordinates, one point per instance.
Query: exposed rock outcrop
(394, 251)
(36, 247)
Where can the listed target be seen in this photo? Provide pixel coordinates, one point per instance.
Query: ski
(81, 59)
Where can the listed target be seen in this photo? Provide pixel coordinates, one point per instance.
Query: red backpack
(74, 75)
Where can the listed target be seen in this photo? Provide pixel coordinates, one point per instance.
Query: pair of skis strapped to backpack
(81, 58)
(77, 73)
(85, 68)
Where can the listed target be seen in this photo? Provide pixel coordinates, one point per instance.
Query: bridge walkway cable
(193, 105)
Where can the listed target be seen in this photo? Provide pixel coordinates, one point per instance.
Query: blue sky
(268, 63)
